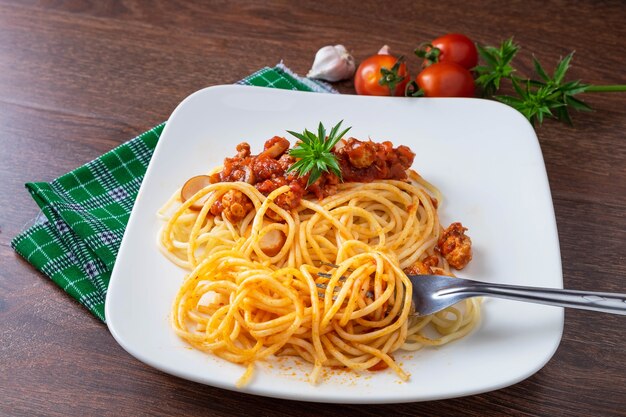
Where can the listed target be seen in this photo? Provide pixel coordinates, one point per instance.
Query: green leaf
(574, 87)
(518, 89)
(321, 132)
(496, 83)
(511, 101)
(312, 138)
(576, 104)
(314, 176)
(330, 144)
(540, 117)
(563, 115)
(334, 166)
(481, 68)
(539, 69)
(298, 166)
(299, 152)
(486, 56)
(562, 67)
(536, 84)
(299, 136)
(309, 164)
(508, 50)
(545, 110)
(333, 131)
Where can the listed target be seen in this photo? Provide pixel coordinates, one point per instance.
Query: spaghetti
(334, 291)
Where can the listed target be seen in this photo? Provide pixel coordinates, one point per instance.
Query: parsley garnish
(314, 152)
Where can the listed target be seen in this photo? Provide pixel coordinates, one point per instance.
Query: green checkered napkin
(75, 241)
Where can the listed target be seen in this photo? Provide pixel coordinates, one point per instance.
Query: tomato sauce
(359, 162)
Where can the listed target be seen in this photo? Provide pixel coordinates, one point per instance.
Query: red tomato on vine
(453, 47)
(445, 79)
(381, 75)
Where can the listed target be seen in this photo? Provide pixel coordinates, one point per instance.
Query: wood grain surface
(79, 77)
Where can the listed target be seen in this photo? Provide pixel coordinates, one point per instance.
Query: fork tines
(322, 263)
(342, 278)
(324, 286)
(325, 275)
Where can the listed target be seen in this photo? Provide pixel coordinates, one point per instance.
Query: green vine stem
(605, 88)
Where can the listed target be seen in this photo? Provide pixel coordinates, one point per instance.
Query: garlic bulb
(384, 50)
(332, 63)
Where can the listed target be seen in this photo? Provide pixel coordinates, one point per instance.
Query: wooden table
(79, 77)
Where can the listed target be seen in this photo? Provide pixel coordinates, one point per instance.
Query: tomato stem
(413, 90)
(428, 53)
(391, 77)
(605, 88)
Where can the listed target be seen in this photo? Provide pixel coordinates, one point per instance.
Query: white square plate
(484, 157)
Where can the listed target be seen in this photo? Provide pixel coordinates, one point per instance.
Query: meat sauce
(368, 161)
(359, 162)
(454, 245)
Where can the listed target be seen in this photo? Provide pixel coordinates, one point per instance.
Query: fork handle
(585, 300)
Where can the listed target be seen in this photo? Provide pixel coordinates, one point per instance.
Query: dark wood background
(79, 77)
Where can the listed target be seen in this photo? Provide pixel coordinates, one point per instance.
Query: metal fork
(433, 293)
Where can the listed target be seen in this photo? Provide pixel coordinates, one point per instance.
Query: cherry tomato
(446, 79)
(368, 75)
(457, 48)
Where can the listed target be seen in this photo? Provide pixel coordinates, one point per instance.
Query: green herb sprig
(497, 65)
(537, 99)
(314, 152)
(548, 97)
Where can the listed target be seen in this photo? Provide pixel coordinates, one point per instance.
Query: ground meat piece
(217, 208)
(291, 199)
(325, 186)
(266, 168)
(424, 267)
(455, 246)
(440, 271)
(418, 268)
(243, 150)
(234, 169)
(236, 205)
(285, 161)
(287, 200)
(360, 154)
(215, 178)
(405, 155)
(267, 186)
